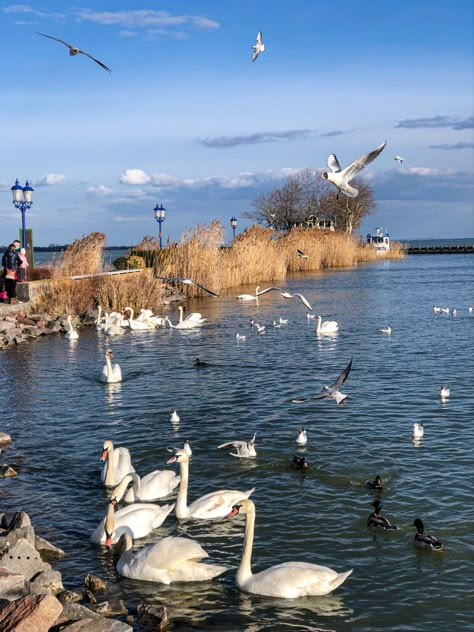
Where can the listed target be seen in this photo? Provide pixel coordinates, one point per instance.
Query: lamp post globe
(22, 200)
(233, 223)
(160, 213)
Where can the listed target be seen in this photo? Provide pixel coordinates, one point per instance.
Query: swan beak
(108, 541)
(104, 455)
(235, 510)
(172, 460)
(113, 501)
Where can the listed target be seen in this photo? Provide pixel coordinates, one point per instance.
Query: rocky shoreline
(33, 598)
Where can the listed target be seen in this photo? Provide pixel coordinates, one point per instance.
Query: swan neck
(109, 373)
(109, 475)
(244, 571)
(180, 308)
(182, 500)
(318, 326)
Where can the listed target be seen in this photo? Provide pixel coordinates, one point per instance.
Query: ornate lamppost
(22, 199)
(160, 213)
(233, 223)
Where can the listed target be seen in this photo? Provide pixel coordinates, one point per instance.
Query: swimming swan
(154, 485)
(214, 505)
(72, 333)
(135, 325)
(110, 373)
(137, 520)
(172, 559)
(326, 327)
(117, 464)
(288, 580)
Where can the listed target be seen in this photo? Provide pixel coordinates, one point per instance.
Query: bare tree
(349, 212)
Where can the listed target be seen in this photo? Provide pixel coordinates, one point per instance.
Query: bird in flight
(300, 296)
(73, 50)
(399, 159)
(188, 282)
(258, 47)
(333, 391)
(301, 254)
(341, 177)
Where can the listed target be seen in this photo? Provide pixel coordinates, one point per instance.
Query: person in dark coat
(11, 263)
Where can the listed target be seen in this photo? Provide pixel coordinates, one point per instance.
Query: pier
(440, 250)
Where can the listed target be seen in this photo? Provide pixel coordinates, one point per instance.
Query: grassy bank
(257, 255)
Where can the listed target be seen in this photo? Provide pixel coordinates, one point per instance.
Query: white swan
(172, 559)
(195, 317)
(117, 464)
(134, 324)
(418, 430)
(288, 580)
(154, 485)
(99, 325)
(110, 373)
(386, 330)
(137, 520)
(72, 333)
(112, 325)
(244, 449)
(214, 505)
(301, 437)
(326, 327)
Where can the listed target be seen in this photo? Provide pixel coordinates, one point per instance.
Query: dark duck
(423, 540)
(376, 520)
(375, 485)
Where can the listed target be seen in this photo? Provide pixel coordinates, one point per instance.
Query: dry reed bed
(256, 256)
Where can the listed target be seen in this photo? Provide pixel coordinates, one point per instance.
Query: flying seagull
(245, 449)
(258, 47)
(300, 296)
(341, 177)
(188, 282)
(301, 254)
(73, 50)
(333, 391)
(399, 159)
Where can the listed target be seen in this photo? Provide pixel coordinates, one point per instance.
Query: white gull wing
(268, 289)
(333, 163)
(357, 165)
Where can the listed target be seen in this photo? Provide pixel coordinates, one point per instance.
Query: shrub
(129, 262)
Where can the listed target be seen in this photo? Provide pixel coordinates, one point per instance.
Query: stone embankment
(33, 598)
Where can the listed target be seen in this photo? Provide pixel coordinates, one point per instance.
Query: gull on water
(300, 296)
(240, 336)
(399, 159)
(174, 417)
(245, 449)
(444, 392)
(310, 316)
(436, 309)
(73, 50)
(418, 430)
(386, 330)
(301, 437)
(341, 177)
(283, 321)
(258, 47)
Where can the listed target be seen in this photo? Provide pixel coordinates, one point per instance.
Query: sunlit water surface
(59, 414)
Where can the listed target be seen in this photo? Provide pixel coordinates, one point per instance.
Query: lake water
(59, 415)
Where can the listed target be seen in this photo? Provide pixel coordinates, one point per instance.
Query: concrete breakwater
(33, 598)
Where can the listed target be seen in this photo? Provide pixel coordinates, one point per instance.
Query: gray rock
(20, 519)
(48, 552)
(29, 331)
(23, 558)
(53, 327)
(18, 340)
(75, 612)
(6, 325)
(110, 608)
(69, 596)
(37, 317)
(94, 583)
(12, 585)
(48, 582)
(94, 625)
(11, 537)
(154, 616)
(7, 471)
(5, 439)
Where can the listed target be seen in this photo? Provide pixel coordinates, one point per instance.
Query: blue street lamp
(22, 199)
(160, 213)
(233, 223)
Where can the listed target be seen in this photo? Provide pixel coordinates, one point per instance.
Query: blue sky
(187, 120)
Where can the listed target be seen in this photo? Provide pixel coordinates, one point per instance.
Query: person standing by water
(23, 269)
(11, 263)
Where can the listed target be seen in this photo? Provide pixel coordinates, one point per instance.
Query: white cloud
(100, 191)
(147, 18)
(134, 176)
(26, 9)
(49, 180)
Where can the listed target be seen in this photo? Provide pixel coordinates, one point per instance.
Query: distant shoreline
(60, 248)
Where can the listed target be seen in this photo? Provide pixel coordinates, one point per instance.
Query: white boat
(379, 240)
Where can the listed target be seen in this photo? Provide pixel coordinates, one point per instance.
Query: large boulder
(12, 585)
(48, 552)
(47, 582)
(31, 613)
(95, 625)
(23, 558)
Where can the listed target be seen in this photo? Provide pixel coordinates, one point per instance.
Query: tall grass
(83, 256)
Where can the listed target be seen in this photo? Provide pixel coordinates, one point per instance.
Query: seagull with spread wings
(333, 391)
(301, 254)
(188, 282)
(300, 296)
(244, 449)
(73, 50)
(258, 47)
(341, 177)
(399, 159)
